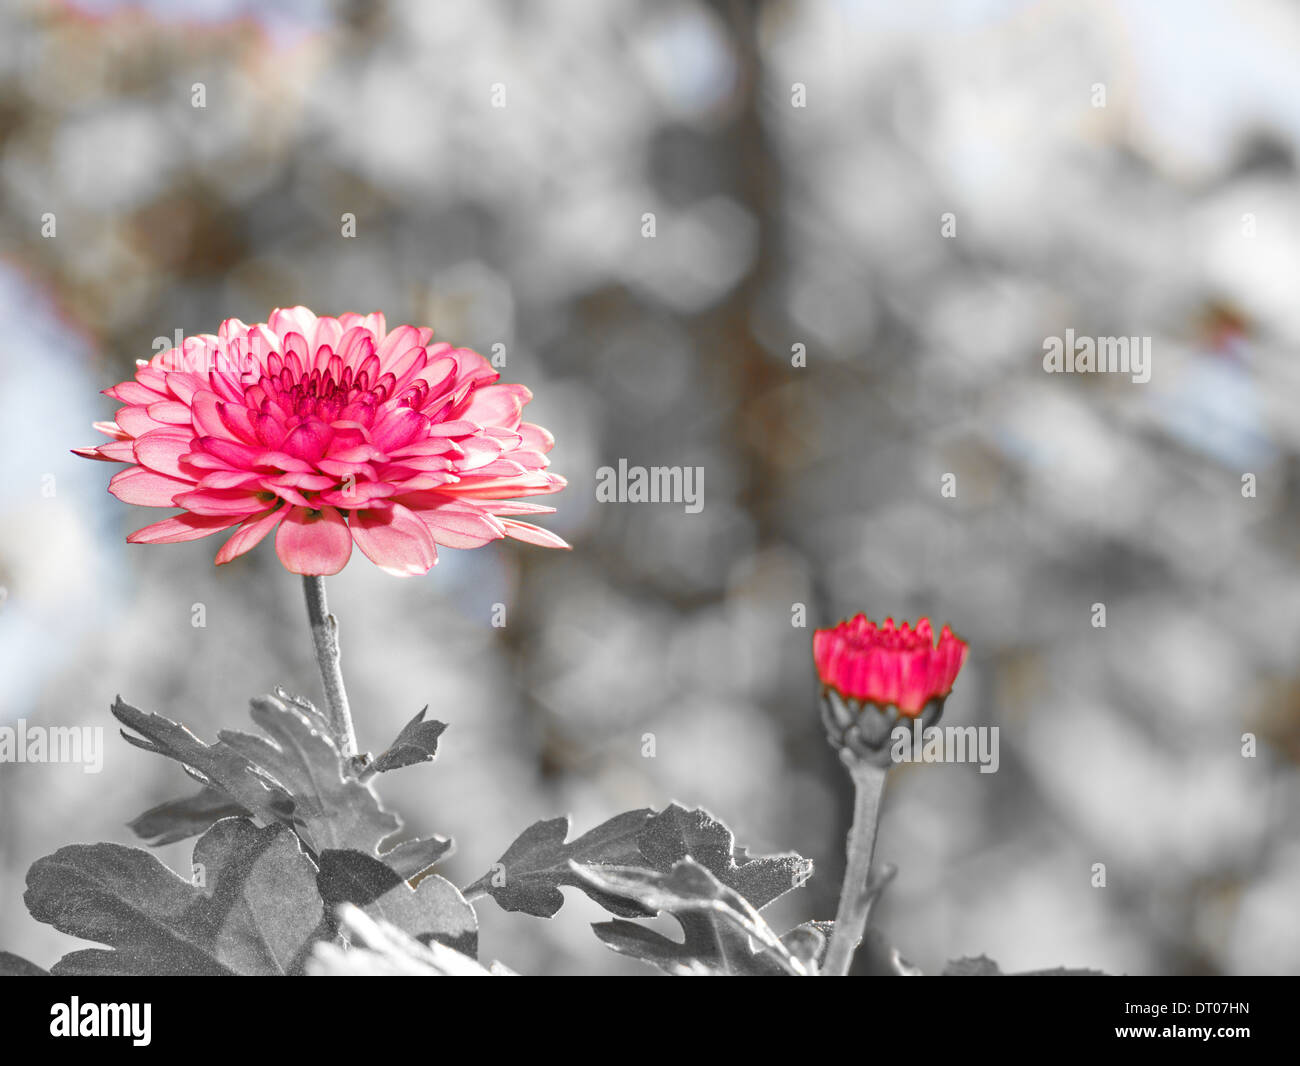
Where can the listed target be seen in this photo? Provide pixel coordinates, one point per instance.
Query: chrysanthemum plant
(332, 432)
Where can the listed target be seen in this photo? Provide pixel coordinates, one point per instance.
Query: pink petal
(358, 494)
(456, 525)
(473, 367)
(298, 319)
(479, 451)
(313, 543)
(136, 421)
(111, 429)
(517, 507)
(232, 453)
(230, 479)
(206, 416)
(399, 342)
(497, 405)
(437, 373)
(395, 540)
(532, 534)
(400, 428)
(308, 441)
(173, 412)
(132, 392)
(250, 534)
(536, 484)
(236, 419)
(161, 452)
(98, 453)
(355, 347)
(145, 488)
(184, 385)
(405, 366)
(235, 502)
(535, 438)
(289, 494)
(502, 468)
(458, 428)
(304, 482)
(182, 527)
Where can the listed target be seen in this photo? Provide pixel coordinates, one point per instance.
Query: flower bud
(873, 677)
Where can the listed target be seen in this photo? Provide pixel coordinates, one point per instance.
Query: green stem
(325, 636)
(855, 899)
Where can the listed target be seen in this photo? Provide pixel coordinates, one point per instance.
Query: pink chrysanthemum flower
(888, 666)
(328, 431)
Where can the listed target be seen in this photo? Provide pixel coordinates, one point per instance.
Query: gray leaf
(16, 966)
(189, 816)
(294, 774)
(434, 910)
(528, 876)
(676, 833)
(416, 743)
(379, 949)
(256, 911)
(412, 858)
(718, 922)
(217, 764)
(638, 942)
(331, 807)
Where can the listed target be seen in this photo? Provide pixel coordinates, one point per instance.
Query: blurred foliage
(776, 226)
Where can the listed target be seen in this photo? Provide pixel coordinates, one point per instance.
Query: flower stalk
(325, 636)
(856, 895)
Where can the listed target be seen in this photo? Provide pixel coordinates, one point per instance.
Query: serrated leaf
(256, 911)
(307, 707)
(16, 966)
(715, 940)
(332, 809)
(379, 949)
(216, 764)
(645, 945)
(719, 924)
(528, 876)
(414, 857)
(295, 774)
(676, 833)
(180, 819)
(416, 743)
(434, 910)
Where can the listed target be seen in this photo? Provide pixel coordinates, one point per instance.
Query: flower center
(337, 393)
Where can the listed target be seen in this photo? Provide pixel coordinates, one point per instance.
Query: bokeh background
(1173, 211)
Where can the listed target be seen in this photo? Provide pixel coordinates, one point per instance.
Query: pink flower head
(328, 431)
(885, 665)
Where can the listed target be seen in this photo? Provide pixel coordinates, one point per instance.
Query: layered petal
(328, 431)
(313, 542)
(395, 540)
(888, 665)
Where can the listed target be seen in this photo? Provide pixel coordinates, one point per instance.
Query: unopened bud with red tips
(873, 677)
